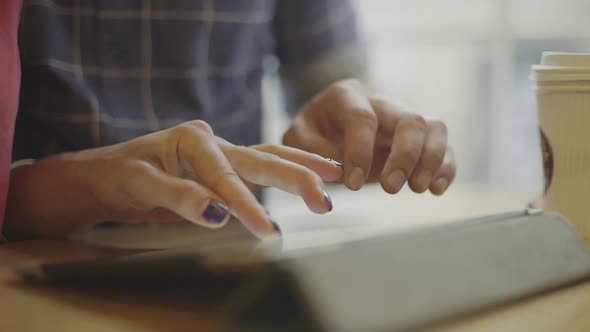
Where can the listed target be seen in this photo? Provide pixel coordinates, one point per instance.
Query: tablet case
(391, 282)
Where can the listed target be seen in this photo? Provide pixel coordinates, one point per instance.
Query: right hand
(188, 172)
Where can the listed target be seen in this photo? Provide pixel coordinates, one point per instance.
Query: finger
(328, 169)
(356, 116)
(432, 157)
(359, 140)
(380, 155)
(270, 170)
(159, 215)
(306, 136)
(198, 147)
(388, 116)
(406, 149)
(446, 174)
(185, 198)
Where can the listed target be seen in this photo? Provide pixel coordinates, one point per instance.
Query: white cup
(563, 104)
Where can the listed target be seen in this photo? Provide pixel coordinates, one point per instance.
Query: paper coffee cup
(563, 103)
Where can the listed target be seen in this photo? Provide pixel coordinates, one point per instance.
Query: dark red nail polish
(328, 200)
(216, 212)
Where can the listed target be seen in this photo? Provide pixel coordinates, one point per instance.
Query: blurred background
(467, 62)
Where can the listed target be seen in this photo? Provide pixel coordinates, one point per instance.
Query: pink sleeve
(9, 89)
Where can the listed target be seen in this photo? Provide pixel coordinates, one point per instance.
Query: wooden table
(33, 308)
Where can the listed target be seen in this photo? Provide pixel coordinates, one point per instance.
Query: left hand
(375, 140)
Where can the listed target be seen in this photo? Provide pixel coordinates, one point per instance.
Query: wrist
(81, 169)
(51, 198)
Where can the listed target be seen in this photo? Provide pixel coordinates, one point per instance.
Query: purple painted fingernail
(216, 212)
(276, 227)
(335, 162)
(328, 200)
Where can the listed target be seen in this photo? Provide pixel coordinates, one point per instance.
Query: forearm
(50, 198)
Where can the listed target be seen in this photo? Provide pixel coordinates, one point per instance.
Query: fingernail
(396, 180)
(356, 179)
(440, 185)
(276, 227)
(337, 163)
(424, 179)
(216, 212)
(328, 201)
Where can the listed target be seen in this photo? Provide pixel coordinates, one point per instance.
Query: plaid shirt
(98, 72)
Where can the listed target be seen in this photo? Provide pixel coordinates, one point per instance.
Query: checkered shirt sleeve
(318, 42)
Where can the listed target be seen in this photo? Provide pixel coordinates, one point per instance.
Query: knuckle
(270, 157)
(239, 149)
(365, 116)
(186, 187)
(271, 149)
(226, 178)
(200, 125)
(267, 161)
(337, 89)
(409, 155)
(183, 130)
(344, 86)
(417, 121)
(351, 83)
(139, 168)
(307, 178)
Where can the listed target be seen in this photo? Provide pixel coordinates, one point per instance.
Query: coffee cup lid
(562, 66)
(565, 60)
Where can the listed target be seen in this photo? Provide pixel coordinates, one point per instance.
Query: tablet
(388, 282)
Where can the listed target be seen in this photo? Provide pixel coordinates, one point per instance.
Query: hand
(185, 172)
(375, 140)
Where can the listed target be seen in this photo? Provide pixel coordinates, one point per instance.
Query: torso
(101, 72)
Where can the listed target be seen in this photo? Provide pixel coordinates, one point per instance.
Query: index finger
(198, 148)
